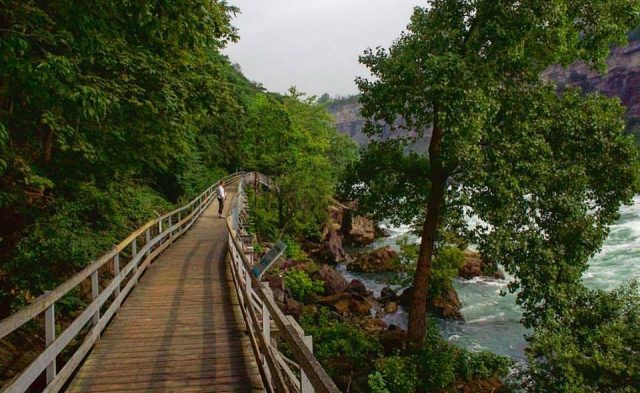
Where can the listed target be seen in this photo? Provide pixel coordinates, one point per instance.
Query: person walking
(222, 195)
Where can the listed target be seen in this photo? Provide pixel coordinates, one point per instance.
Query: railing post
(147, 235)
(266, 331)
(95, 291)
(116, 272)
(134, 253)
(50, 336)
(170, 233)
(305, 384)
(159, 227)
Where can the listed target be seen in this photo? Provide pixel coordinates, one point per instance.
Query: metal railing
(145, 244)
(269, 329)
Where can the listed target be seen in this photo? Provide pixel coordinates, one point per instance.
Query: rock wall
(622, 80)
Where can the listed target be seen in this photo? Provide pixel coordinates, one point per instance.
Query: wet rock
(357, 286)
(476, 266)
(383, 259)
(360, 306)
(334, 282)
(447, 305)
(373, 324)
(391, 307)
(388, 295)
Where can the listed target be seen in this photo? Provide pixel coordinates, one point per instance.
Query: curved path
(181, 329)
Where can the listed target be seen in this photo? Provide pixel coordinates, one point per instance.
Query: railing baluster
(95, 291)
(266, 332)
(50, 336)
(116, 272)
(147, 235)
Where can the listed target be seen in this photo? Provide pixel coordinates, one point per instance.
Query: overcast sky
(313, 44)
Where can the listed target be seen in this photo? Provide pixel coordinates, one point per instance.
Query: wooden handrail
(307, 362)
(140, 260)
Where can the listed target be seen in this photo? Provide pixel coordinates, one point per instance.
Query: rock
(334, 282)
(405, 297)
(488, 385)
(359, 306)
(393, 340)
(447, 306)
(276, 282)
(476, 266)
(356, 286)
(342, 306)
(391, 307)
(373, 324)
(388, 295)
(358, 230)
(383, 259)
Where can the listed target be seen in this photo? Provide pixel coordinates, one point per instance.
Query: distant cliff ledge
(621, 80)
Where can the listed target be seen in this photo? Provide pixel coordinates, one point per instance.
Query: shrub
(302, 287)
(395, 374)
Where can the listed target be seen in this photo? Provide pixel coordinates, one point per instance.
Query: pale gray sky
(313, 44)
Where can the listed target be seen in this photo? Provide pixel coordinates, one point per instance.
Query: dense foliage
(111, 113)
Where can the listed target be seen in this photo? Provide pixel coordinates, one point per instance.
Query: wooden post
(170, 233)
(116, 271)
(95, 291)
(50, 336)
(266, 330)
(159, 227)
(305, 384)
(134, 253)
(148, 238)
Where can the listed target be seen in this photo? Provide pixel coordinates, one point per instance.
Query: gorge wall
(621, 80)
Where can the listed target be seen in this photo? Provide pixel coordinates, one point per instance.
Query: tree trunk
(438, 178)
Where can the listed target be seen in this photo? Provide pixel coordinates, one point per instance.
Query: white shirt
(221, 193)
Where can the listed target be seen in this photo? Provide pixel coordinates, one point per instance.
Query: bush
(302, 287)
(346, 352)
(435, 368)
(396, 374)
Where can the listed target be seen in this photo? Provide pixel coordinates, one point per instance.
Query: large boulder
(358, 230)
(358, 287)
(476, 266)
(383, 259)
(334, 282)
(446, 306)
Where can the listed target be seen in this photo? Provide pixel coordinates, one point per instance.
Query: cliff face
(622, 80)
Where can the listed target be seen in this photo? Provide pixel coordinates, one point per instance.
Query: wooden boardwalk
(181, 329)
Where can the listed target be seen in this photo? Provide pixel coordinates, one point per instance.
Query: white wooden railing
(145, 244)
(267, 326)
(265, 322)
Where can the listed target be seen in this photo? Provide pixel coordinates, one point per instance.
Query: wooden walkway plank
(181, 329)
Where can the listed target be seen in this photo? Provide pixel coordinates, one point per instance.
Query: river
(492, 321)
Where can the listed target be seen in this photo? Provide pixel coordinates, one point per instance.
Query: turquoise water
(492, 321)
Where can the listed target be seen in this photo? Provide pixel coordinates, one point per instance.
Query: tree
(546, 172)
